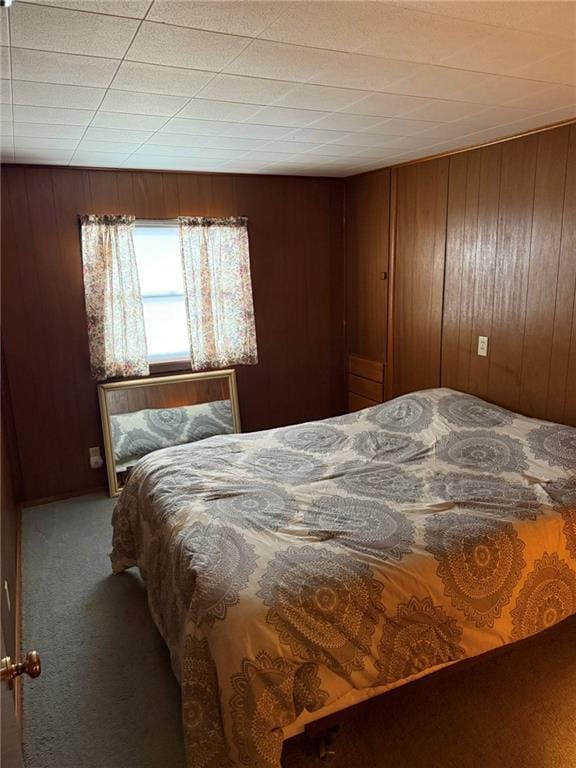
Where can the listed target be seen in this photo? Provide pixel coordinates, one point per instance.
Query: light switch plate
(483, 346)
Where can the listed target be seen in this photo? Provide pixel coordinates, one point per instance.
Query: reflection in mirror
(145, 415)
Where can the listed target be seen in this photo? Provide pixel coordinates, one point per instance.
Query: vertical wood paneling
(422, 193)
(549, 187)
(511, 274)
(481, 291)
(562, 378)
(512, 260)
(297, 262)
(367, 235)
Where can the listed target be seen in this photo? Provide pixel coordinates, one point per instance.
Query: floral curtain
(216, 267)
(113, 300)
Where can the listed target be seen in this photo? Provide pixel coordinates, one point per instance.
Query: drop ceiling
(320, 88)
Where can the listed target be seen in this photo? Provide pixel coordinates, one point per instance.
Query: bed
(296, 571)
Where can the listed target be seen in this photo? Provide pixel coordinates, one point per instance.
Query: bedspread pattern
(285, 568)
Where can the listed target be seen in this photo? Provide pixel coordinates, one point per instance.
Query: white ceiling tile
(445, 131)
(49, 131)
(407, 34)
(269, 157)
(342, 26)
(287, 117)
(143, 103)
(183, 125)
(234, 18)
(52, 115)
(5, 61)
(242, 166)
(372, 83)
(251, 90)
(502, 52)
(501, 89)
(133, 8)
(289, 147)
(64, 68)
(173, 164)
(50, 95)
(552, 98)
(164, 146)
(44, 143)
(461, 85)
(314, 135)
(441, 83)
(5, 92)
(253, 131)
(333, 150)
(189, 48)
(538, 121)
(547, 118)
(320, 97)
(151, 78)
(344, 122)
(364, 140)
(380, 153)
(114, 135)
(87, 145)
(548, 18)
(281, 62)
(442, 111)
(202, 152)
(401, 126)
(177, 139)
(225, 142)
(6, 128)
(494, 116)
(560, 68)
(126, 121)
(384, 105)
(44, 156)
(98, 159)
(53, 29)
(369, 73)
(205, 109)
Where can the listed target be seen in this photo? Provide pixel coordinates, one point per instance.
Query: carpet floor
(107, 698)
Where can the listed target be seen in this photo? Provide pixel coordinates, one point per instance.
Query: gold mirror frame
(114, 487)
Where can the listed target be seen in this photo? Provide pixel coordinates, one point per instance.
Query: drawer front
(367, 369)
(372, 390)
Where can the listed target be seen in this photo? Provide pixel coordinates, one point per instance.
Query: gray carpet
(107, 698)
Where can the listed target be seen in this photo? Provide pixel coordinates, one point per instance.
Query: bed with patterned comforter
(288, 568)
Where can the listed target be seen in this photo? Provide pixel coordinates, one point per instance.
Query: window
(159, 262)
(167, 291)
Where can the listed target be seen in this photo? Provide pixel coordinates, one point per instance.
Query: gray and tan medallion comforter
(286, 568)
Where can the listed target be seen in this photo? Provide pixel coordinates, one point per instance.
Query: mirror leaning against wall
(140, 416)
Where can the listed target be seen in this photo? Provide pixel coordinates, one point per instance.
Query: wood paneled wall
(420, 226)
(367, 235)
(10, 497)
(483, 243)
(298, 276)
(511, 274)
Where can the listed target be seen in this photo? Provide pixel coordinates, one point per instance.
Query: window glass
(162, 285)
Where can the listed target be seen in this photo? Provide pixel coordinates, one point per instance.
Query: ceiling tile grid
(323, 87)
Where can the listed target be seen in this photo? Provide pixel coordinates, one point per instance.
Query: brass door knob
(30, 667)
